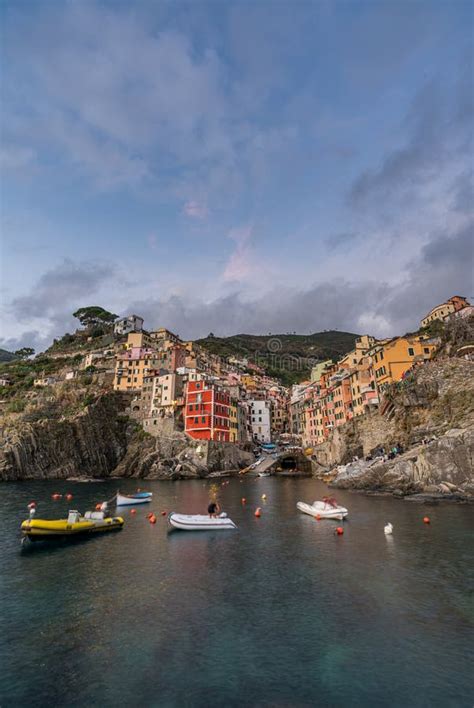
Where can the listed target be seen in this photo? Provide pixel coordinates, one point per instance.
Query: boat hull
(199, 522)
(44, 529)
(323, 511)
(123, 500)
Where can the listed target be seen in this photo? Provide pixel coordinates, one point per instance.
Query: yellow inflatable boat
(74, 525)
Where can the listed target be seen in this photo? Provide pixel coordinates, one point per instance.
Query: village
(175, 385)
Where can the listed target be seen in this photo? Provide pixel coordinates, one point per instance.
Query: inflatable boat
(132, 499)
(323, 510)
(200, 522)
(74, 525)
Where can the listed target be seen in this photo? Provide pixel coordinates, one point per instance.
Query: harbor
(275, 612)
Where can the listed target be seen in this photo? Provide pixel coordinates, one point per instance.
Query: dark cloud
(439, 129)
(67, 283)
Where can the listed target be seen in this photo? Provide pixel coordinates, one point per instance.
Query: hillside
(6, 355)
(288, 357)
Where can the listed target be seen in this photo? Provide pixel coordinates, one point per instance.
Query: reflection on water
(280, 612)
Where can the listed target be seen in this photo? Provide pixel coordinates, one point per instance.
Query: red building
(207, 415)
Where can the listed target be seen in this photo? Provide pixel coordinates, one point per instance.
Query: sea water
(280, 612)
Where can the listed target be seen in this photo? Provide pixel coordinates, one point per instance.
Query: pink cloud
(242, 263)
(196, 210)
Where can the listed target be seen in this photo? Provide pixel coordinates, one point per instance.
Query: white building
(125, 325)
(260, 420)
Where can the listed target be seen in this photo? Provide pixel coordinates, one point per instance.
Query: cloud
(243, 261)
(196, 210)
(342, 239)
(60, 286)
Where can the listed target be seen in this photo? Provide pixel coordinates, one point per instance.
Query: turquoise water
(280, 612)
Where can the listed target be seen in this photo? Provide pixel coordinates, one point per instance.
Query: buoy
(318, 517)
(149, 515)
(339, 531)
(56, 496)
(97, 507)
(264, 496)
(387, 529)
(426, 520)
(69, 497)
(32, 505)
(243, 500)
(152, 519)
(133, 511)
(163, 513)
(258, 511)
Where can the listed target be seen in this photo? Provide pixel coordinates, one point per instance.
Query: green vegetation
(94, 316)
(287, 357)
(24, 353)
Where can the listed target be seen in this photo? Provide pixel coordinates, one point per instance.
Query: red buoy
(32, 505)
(426, 520)
(56, 496)
(152, 519)
(339, 531)
(133, 511)
(258, 512)
(69, 497)
(243, 500)
(163, 513)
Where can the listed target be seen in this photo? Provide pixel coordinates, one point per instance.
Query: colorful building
(441, 312)
(132, 366)
(394, 358)
(207, 411)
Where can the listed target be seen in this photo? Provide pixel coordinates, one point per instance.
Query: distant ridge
(273, 351)
(6, 355)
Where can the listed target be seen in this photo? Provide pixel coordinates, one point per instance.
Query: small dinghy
(132, 499)
(200, 522)
(326, 509)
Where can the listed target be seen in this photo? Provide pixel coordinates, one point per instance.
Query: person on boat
(214, 509)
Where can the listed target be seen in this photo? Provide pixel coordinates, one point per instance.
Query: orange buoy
(152, 519)
(258, 512)
(133, 511)
(149, 515)
(339, 531)
(243, 500)
(318, 517)
(426, 520)
(56, 496)
(98, 507)
(69, 497)
(163, 513)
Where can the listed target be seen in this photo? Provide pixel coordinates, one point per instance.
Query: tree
(24, 352)
(93, 316)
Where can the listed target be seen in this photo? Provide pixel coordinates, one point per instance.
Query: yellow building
(440, 312)
(318, 369)
(132, 367)
(233, 421)
(248, 381)
(395, 357)
(138, 339)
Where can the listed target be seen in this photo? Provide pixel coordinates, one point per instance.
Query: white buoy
(388, 529)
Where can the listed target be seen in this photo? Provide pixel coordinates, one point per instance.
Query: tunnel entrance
(289, 463)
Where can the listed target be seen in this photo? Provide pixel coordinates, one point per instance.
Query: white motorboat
(133, 499)
(200, 522)
(328, 509)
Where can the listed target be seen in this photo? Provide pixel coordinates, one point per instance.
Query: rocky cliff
(90, 444)
(101, 442)
(431, 416)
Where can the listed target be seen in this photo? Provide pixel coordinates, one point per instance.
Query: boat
(132, 499)
(74, 525)
(200, 522)
(326, 509)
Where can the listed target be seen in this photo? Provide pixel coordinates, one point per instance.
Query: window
(203, 420)
(411, 351)
(196, 420)
(426, 350)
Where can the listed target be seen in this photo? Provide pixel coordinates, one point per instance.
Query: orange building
(394, 358)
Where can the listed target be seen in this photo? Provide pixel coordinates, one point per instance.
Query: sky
(264, 166)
